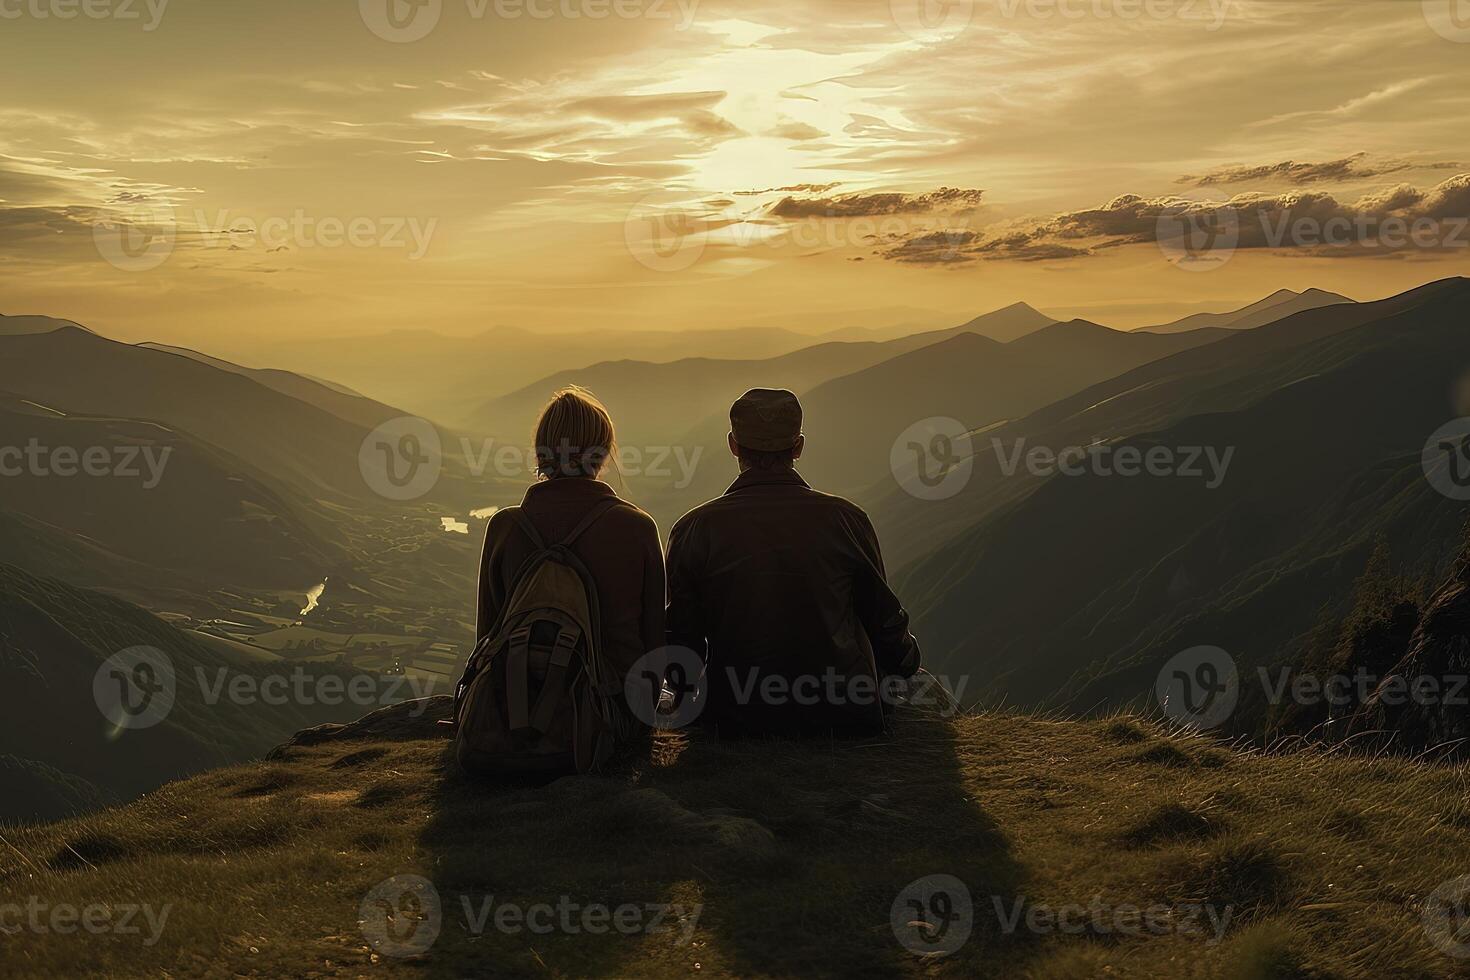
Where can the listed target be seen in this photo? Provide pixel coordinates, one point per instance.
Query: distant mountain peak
(1008, 323)
(15, 326)
(1278, 305)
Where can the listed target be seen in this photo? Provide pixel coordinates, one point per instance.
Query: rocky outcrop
(1423, 701)
(407, 721)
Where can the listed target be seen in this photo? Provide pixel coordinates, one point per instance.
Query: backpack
(537, 695)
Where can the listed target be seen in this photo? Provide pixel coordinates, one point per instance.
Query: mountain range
(55, 639)
(1102, 578)
(1282, 303)
(1321, 415)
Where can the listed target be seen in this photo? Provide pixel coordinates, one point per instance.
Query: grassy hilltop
(777, 858)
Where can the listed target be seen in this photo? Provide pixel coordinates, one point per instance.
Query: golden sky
(225, 174)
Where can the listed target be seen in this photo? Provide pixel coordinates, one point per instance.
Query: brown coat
(776, 580)
(621, 551)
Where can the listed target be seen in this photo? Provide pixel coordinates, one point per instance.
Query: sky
(232, 175)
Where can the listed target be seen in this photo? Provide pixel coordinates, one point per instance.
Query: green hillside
(1223, 376)
(178, 510)
(1163, 856)
(1102, 578)
(60, 752)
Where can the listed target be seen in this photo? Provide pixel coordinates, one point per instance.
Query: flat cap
(767, 420)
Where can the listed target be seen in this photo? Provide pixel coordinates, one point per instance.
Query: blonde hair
(574, 436)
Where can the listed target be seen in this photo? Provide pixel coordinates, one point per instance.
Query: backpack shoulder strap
(598, 509)
(525, 523)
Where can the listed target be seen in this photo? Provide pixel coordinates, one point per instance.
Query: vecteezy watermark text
(938, 20)
(1346, 690)
(404, 916)
(1098, 918)
(137, 688)
(934, 916)
(42, 918)
(149, 12)
(403, 459)
(145, 463)
(140, 236)
(668, 687)
(304, 688)
(302, 230)
(406, 21)
(1206, 463)
(1200, 688)
(570, 917)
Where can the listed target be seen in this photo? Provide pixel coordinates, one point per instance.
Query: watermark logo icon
(136, 237)
(932, 21)
(1199, 688)
(1198, 238)
(1450, 19)
(933, 916)
(1446, 917)
(401, 21)
(664, 235)
(135, 688)
(933, 459)
(402, 916)
(402, 458)
(666, 688)
(1446, 459)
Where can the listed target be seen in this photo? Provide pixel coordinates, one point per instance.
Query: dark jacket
(777, 584)
(621, 551)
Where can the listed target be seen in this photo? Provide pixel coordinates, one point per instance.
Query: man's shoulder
(694, 515)
(731, 504)
(841, 504)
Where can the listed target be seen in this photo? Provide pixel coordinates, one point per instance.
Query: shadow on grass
(765, 857)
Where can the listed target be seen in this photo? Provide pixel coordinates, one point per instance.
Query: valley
(268, 542)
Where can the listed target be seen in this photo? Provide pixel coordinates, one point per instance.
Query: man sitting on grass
(780, 589)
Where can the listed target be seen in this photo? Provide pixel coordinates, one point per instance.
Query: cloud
(1358, 166)
(790, 129)
(1449, 200)
(946, 200)
(1397, 221)
(935, 248)
(1352, 108)
(30, 227)
(692, 109)
(631, 108)
(709, 124)
(793, 189)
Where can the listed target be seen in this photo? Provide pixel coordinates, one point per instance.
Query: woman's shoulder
(500, 523)
(630, 514)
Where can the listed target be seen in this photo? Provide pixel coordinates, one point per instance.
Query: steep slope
(161, 504)
(447, 377)
(1282, 303)
(853, 421)
(1102, 577)
(15, 326)
(1219, 377)
(654, 402)
(53, 640)
(340, 401)
(80, 373)
(305, 435)
(362, 851)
